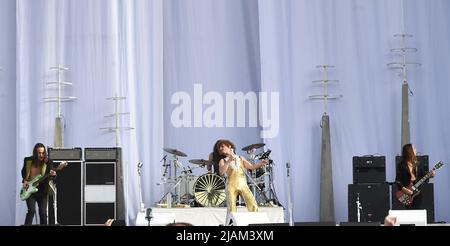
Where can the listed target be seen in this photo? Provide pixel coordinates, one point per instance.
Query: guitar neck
(40, 179)
(422, 180)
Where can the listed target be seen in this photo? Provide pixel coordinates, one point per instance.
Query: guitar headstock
(62, 165)
(438, 165)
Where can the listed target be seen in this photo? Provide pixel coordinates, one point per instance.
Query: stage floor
(202, 216)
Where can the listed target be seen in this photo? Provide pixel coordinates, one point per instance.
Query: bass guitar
(26, 192)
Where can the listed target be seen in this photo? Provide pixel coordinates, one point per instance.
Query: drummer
(215, 157)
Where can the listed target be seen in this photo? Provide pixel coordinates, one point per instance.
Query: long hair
(36, 160)
(408, 154)
(216, 154)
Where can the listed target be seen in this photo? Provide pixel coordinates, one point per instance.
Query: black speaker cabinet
(369, 169)
(68, 188)
(425, 199)
(111, 155)
(99, 192)
(373, 199)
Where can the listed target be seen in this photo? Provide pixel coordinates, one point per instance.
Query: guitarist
(33, 166)
(409, 170)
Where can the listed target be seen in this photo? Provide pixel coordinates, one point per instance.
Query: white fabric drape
(8, 110)
(356, 36)
(112, 48)
(149, 50)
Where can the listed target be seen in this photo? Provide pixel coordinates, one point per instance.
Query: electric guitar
(26, 192)
(406, 199)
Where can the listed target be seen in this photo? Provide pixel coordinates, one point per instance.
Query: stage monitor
(410, 217)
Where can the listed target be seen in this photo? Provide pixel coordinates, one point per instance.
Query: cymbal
(201, 162)
(253, 146)
(175, 152)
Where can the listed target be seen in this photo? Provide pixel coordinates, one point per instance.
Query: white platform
(203, 216)
(413, 217)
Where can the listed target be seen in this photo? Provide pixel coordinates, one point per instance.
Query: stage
(202, 216)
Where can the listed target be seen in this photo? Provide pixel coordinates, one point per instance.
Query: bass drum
(209, 190)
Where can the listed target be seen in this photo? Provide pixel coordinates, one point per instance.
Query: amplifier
(101, 154)
(369, 169)
(64, 153)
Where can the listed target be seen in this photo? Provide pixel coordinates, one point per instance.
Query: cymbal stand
(186, 198)
(166, 166)
(271, 188)
(255, 186)
(169, 190)
(166, 181)
(177, 164)
(252, 160)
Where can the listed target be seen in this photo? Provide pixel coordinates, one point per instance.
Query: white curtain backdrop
(112, 48)
(150, 50)
(8, 110)
(213, 44)
(356, 37)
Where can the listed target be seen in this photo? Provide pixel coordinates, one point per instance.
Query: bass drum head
(209, 190)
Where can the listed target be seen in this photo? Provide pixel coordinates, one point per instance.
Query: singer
(234, 167)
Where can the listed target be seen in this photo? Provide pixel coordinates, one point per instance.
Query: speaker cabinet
(111, 155)
(425, 200)
(97, 213)
(369, 169)
(99, 192)
(374, 201)
(65, 202)
(101, 154)
(69, 194)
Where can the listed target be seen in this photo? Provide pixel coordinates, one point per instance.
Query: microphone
(139, 167)
(163, 159)
(148, 214)
(265, 155)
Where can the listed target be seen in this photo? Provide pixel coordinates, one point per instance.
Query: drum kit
(185, 189)
(260, 181)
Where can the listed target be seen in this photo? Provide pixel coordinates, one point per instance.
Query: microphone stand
(288, 174)
(148, 215)
(142, 206)
(358, 208)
